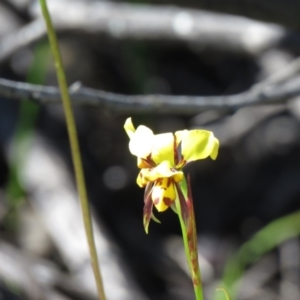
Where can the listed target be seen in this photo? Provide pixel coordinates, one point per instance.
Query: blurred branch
(202, 29)
(290, 71)
(149, 103)
(277, 88)
(284, 12)
(23, 37)
(167, 22)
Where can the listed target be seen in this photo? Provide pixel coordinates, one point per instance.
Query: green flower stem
(191, 251)
(74, 148)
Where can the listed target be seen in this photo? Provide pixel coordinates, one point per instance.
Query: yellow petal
(141, 142)
(163, 148)
(215, 150)
(129, 128)
(141, 180)
(143, 164)
(179, 135)
(198, 144)
(163, 193)
(165, 169)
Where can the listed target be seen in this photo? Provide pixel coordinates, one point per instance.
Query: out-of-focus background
(192, 48)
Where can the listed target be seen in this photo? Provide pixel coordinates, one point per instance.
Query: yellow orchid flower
(161, 158)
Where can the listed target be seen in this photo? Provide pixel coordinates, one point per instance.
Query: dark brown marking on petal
(167, 201)
(183, 204)
(146, 165)
(179, 152)
(159, 181)
(175, 151)
(150, 161)
(181, 163)
(170, 180)
(156, 201)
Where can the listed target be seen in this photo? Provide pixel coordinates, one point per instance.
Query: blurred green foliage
(28, 114)
(261, 243)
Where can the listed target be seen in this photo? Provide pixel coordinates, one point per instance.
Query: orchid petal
(163, 193)
(141, 179)
(143, 163)
(215, 150)
(179, 135)
(154, 218)
(163, 148)
(163, 170)
(198, 144)
(173, 207)
(129, 128)
(141, 142)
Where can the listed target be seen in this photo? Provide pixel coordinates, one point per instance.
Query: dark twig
(149, 103)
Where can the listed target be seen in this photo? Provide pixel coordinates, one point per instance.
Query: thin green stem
(184, 235)
(192, 263)
(80, 181)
